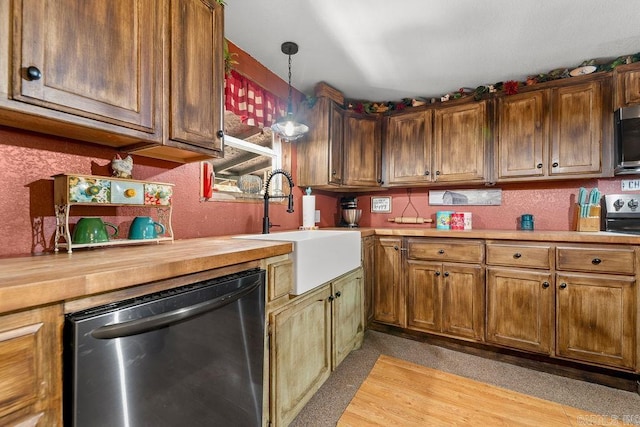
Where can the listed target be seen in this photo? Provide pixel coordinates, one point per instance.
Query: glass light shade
(289, 129)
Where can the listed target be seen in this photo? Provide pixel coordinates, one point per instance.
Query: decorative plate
(581, 71)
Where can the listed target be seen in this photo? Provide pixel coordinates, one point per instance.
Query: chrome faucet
(265, 220)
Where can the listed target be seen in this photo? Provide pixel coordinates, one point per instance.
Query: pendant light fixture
(287, 127)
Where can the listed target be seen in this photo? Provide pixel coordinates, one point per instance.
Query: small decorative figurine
(122, 168)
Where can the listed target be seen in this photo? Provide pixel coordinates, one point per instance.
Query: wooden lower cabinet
(309, 337)
(31, 370)
(388, 290)
(348, 315)
(520, 309)
(446, 298)
(596, 318)
(368, 266)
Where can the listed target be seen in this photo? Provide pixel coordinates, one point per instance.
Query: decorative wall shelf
(101, 191)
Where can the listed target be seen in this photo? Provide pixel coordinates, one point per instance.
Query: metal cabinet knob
(545, 285)
(330, 298)
(395, 248)
(539, 165)
(338, 294)
(441, 251)
(555, 164)
(596, 261)
(220, 134)
(437, 273)
(446, 274)
(33, 73)
(426, 173)
(563, 285)
(517, 255)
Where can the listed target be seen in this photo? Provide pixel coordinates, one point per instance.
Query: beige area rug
(399, 393)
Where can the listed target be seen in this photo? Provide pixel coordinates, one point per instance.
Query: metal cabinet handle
(517, 255)
(330, 298)
(554, 164)
(338, 294)
(441, 251)
(545, 285)
(539, 165)
(33, 73)
(596, 261)
(563, 285)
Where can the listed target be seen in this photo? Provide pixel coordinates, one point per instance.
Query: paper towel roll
(308, 211)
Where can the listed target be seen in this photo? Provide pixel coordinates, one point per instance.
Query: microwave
(627, 140)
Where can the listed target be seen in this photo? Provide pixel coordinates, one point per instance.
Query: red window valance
(255, 105)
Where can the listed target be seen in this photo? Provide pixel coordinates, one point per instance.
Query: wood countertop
(31, 281)
(37, 280)
(546, 236)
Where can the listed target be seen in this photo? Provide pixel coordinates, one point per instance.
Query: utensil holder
(589, 223)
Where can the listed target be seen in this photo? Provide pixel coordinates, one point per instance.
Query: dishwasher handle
(138, 326)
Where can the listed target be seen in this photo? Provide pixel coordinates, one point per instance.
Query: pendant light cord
(289, 105)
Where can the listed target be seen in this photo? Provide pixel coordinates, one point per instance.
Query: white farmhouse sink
(318, 255)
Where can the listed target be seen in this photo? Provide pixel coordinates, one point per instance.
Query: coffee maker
(349, 207)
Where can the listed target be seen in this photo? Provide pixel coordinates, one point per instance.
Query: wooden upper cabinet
(91, 59)
(342, 149)
(197, 70)
(460, 143)
(320, 154)
(143, 76)
(362, 150)
(576, 130)
(407, 147)
(627, 85)
(523, 130)
(560, 132)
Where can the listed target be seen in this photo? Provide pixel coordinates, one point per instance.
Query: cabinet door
(320, 155)
(520, 309)
(627, 80)
(424, 298)
(197, 73)
(460, 143)
(523, 135)
(463, 300)
(94, 59)
(368, 265)
(31, 371)
(300, 360)
(577, 128)
(388, 292)
(408, 144)
(362, 151)
(596, 319)
(336, 138)
(348, 316)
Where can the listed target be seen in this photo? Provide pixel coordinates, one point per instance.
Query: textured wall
(551, 203)
(28, 160)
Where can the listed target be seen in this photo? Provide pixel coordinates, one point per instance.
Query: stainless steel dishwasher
(190, 356)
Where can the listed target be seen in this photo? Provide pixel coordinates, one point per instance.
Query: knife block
(589, 223)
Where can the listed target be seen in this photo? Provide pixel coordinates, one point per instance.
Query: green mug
(143, 227)
(92, 230)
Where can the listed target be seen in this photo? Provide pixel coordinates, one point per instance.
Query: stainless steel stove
(622, 213)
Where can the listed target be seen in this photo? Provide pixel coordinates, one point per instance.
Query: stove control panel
(622, 204)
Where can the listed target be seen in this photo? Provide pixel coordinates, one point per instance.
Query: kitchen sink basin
(318, 255)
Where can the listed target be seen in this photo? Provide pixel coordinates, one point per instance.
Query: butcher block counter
(38, 280)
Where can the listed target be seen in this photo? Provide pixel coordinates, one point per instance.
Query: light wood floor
(399, 393)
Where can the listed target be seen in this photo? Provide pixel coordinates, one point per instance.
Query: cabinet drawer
(446, 250)
(519, 255)
(619, 260)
